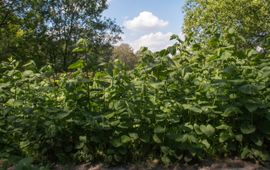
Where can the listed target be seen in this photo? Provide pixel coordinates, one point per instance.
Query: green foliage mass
(192, 105)
(125, 54)
(250, 18)
(47, 31)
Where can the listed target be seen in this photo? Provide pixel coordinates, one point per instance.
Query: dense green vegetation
(194, 105)
(249, 18)
(47, 31)
(201, 98)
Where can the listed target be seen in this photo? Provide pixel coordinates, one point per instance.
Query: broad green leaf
(62, 115)
(266, 71)
(165, 159)
(195, 109)
(237, 81)
(192, 108)
(27, 73)
(252, 52)
(83, 139)
(239, 138)
(186, 78)
(231, 111)
(247, 129)
(2, 130)
(179, 138)
(166, 150)
(264, 156)
(77, 65)
(245, 153)
(248, 89)
(188, 125)
(153, 99)
(24, 144)
(14, 103)
(145, 138)
(223, 127)
(164, 52)
(161, 117)
(110, 115)
(231, 31)
(157, 85)
(115, 123)
(125, 139)
(257, 140)
(116, 143)
(226, 55)
(242, 38)
(206, 143)
(223, 137)
(156, 139)
(159, 129)
(134, 136)
(78, 50)
(172, 50)
(213, 57)
(251, 107)
(24, 164)
(31, 65)
(175, 37)
(82, 42)
(208, 130)
(197, 129)
(186, 138)
(4, 85)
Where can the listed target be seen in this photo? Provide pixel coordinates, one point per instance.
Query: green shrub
(207, 100)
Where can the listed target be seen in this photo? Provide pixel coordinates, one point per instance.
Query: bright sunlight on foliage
(195, 104)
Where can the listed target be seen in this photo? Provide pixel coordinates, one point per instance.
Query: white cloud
(154, 41)
(182, 36)
(109, 1)
(145, 21)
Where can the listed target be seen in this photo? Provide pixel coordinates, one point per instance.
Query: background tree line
(47, 31)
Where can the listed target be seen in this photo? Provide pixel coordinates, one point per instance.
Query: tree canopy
(125, 53)
(47, 31)
(249, 18)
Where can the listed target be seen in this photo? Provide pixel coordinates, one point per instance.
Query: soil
(222, 164)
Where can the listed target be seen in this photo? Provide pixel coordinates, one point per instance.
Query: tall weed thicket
(190, 101)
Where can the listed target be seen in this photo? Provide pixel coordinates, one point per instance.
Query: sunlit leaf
(208, 130)
(247, 128)
(77, 65)
(156, 139)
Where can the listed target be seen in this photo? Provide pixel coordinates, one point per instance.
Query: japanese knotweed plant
(190, 101)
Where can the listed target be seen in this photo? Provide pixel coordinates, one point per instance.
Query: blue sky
(147, 22)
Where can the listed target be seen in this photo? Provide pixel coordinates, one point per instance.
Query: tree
(249, 18)
(52, 28)
(125, 54)
(9, 29)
